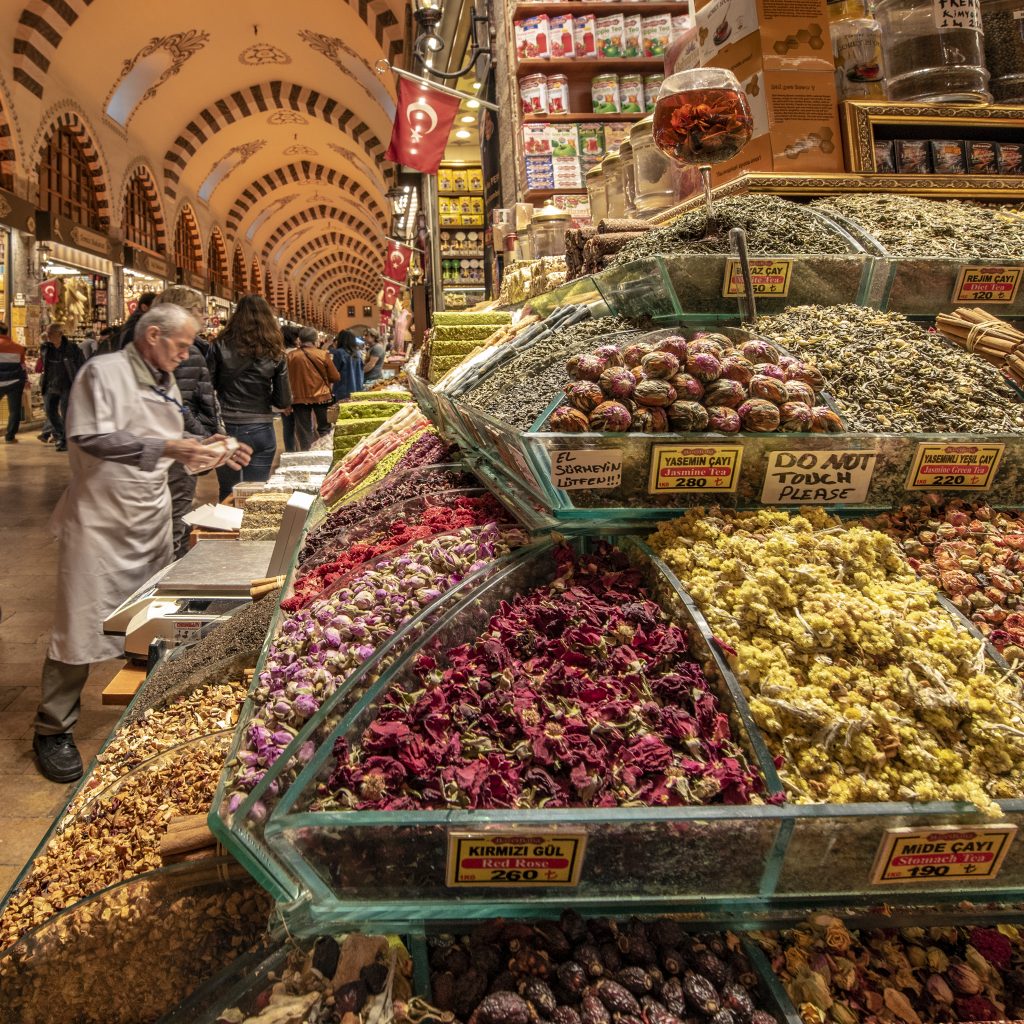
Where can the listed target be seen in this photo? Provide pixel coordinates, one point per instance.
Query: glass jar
(549, 227)
(1004, 48)
(655, 177)
(596, 194)
(628, 178)
(933, 53)
(613, 185)
(857, 48)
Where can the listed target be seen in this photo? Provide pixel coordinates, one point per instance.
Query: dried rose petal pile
(835, 975)
(580, 693)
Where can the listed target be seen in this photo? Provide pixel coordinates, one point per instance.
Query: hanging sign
(697, 467)
(806, 477)
(769, 277)
(955, 467)
(987, 284)
(586, 469)
(515, 858)
(942, 853)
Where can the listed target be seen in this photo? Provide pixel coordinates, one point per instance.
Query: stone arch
(217, 257)
(319, 260)
(239, 270)
(41, 28)
(256, 276)
(318, 215)
(187, 223)
(138, 168)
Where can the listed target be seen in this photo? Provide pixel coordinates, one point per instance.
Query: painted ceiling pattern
(269, 129)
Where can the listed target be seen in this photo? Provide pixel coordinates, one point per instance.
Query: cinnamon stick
(615, 225)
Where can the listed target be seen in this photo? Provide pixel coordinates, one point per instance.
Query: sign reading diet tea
(955, 467)
(586, 469)
(697, 467)
(768, 277)
(797, 478)
(942, 853)
(987, 284)
(515, 858)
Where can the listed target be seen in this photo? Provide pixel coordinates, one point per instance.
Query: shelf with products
(536, 195)
(577, 66)
(457, 192)
(581, 118)
(531, 10)
(456, 255)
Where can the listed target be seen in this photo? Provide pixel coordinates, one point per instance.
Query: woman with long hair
(250, 374)
(348, 361)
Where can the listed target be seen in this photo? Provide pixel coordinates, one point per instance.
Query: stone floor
(32, 477)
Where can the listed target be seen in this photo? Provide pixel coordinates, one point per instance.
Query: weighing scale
(208, 584)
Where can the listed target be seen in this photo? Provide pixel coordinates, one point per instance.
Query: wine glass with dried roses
(702, 117)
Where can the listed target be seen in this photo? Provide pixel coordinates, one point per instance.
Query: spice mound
(580, 693)
(975, 555)
(855, 674)
(576, 971)
(888, 375)
(836, 975)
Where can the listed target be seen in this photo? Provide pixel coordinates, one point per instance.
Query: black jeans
(304, 432)
(182, 485)
(288, 431)
(13, 395)
(56, 406)
(260, 437)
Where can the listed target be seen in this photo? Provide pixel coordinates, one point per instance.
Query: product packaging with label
(949, 156)
(982, 158)
(652, 86)
(584, 33)
(558, 94)
(604, 92)
(633, 29)
(591, 137)
(885, 157)
(1011, 158)
(657, 34)
(631, 94)
(913, 156)
(533, 38)
(533, 92)
(560, 31)
(614, 136)
(611, 35)
(857, 50)
(536, 141)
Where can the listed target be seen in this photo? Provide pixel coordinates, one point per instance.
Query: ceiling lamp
(463, 133)
(427, 14)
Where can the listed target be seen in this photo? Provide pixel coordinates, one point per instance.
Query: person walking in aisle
(13, 377)
(61, 360)
(113, 522)
(347, 357)
(311, 372)
(250, 376)
(375, 351)
(201, 412)
(290, 334)
(142, 307)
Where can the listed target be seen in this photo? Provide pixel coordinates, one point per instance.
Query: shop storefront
(143, 272)
(16, 215)
(82, 262)
(218, 307)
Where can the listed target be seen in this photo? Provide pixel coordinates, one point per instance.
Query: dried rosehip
(448, 955)
(443, 990)
(530, 961)
(572, 977)
(539, 995)
(737, 999)
(666, 932)
(501, 1008)
(700, 993)
(615, 997)
(655, 1013)
(470, 988)
(761, 1017)
(565, 1015)
(504, 982)
(573, 925)
(724, 1017)
(592, 1010)
(486, 957)
(671, 960)
(588, 957)
(711, 967)
(635, 979)
(640, 950)
(551, 938)
(672, 996)
(611, 958)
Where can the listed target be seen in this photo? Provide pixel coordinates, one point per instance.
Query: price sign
(798, 478)
(515, 857)
(955, 467)
(941, 853)
(586, 469)
(769, 277)
(987, 284)
(695, 467)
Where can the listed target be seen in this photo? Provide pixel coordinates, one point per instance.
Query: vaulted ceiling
(266, 118)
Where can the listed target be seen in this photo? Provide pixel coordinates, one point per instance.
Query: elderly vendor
(113, 523)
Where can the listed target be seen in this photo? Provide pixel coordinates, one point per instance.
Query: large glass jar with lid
(628, 178)
(655, 177)
(613, 185)
(1003, 21)
(548, 229)
(596, 194)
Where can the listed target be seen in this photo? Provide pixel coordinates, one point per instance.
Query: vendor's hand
(240, 457)
(193, 455)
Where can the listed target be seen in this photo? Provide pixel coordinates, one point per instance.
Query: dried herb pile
(519, 391)
(580, 694)
(975, 555)
(888, 375)
(836, 975)
(856, 676)
(914, 227)
(774, 227)
(573, 971)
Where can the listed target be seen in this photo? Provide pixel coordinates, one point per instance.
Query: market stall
(143, 272)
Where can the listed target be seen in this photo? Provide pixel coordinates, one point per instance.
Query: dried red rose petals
(580, 693)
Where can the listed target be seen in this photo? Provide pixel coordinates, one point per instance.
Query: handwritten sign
(798, 478)
(957, 14)
(769, 277)
(515, 857)
(954, 467)
(987, 284)
(586, 469)
(943, 853)
(696, 467)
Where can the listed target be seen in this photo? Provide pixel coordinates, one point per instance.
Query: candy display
(707, 383)
(263, 513)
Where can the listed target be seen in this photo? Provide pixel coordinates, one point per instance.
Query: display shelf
(590, 65)
(533, 195)
(529, 10)
(575, 118)
(450, 255)
(466, 286)
(457, 192)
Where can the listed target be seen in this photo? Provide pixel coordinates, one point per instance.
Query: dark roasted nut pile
(594, 972)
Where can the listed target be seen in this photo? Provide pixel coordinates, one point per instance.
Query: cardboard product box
(577, 206)
(611, 35)
(681, 23)
(913, 156)
(1011, 157)
(885, 157)
(592, 147)
(536, 141)
(560, 32)
(733, 33)
(540, 172)
(567, 172)
(533, 37)
(657, 34)
(563, 140)
(982, 158)
(949, 156)
(584, 33)
(633, 27)
(614, 136)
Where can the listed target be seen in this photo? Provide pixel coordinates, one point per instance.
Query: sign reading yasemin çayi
(515, 858)
(768, 277)
(813, 477)
(987, 284)
(954, 467)
(586, 469)
(677, 467)
(942, 853)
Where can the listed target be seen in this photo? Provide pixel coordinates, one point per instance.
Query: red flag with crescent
(396, 260)
(392, 289)
(423, 119)
(50, 291)
(385, 318)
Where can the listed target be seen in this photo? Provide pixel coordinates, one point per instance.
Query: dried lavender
(913, 227)
(519, 391)
(773, 226)
(888, 375)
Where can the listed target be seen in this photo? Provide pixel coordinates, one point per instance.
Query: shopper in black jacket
(61, 360)
(250, 375)
(201, 412)
(142, 307)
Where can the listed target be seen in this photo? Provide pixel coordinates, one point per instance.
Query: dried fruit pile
(680, 386)
(901, 975)
(855, 674)
(975, 555)
(594, 972)
(580, 693)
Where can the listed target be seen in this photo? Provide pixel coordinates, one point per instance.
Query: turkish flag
(392, 289)
(50, 291)
(422, 122)
(385, 318)
(396, 261)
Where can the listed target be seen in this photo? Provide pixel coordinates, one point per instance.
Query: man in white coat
(113, 523)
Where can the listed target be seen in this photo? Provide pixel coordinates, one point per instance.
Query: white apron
(113, 523)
